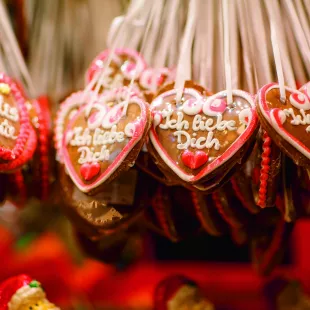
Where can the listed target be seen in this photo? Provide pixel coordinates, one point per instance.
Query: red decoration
(194, 160)
(89, 170)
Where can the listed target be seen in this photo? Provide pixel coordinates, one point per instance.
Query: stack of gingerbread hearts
(99, 133)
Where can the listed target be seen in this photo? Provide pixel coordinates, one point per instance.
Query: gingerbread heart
(66, 112)
(14, 120)
(195, 137)
(153, 78)
(125, 65)
(108, 134)
(287, 123)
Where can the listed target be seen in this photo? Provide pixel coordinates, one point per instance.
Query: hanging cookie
(15, 129)
(287, 121)
(198, 138)
(104, 139)
(145, 160)
(151, 79)
(117, 70)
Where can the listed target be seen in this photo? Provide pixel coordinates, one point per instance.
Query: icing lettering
(200, 123)
(178, 124)
(7, 130)
(7, 111)
(107, 137)
(200, 143)
(80, 137)
(89, 156)
(87, 139)
(303, 119)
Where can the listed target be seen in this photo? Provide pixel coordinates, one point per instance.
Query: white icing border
(269, 116)
(232, 150)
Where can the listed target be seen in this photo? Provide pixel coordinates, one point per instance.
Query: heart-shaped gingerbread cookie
(125, 65)
(197, 136)
(287, 123)
(151, 79)
(14, 120)
(104, 139)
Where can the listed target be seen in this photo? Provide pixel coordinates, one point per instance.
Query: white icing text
(200, 123)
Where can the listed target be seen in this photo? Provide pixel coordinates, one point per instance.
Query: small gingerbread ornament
(117, 70)
(198, 138)
(287, 120)
(104, 139)
(23, 293)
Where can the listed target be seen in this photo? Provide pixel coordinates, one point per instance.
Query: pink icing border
(221, 159)
(118, 160)
(93, 68)
(271, 117)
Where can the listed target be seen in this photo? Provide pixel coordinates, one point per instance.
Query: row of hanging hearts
(214, 155)
(130, 116)
(198, 142)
